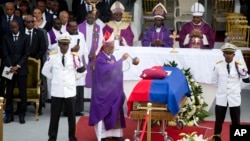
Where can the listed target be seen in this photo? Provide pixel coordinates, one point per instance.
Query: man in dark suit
(37, 45)
(9, 16)
(80, 9)
(104, 9)
(37, 39)
(16, 51)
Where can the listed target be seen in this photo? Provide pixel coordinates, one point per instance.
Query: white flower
(192, 80)
(196, 84)
(199, 97)
(201, 101)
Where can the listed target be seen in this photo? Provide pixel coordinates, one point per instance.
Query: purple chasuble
(152, 35)
(107, 93)
(204, 28)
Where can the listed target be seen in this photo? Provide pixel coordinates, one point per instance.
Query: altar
(200, 61)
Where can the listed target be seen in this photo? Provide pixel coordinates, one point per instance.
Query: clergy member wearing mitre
(106, 105)
(122, 30)
(159, 34)
(197, 33)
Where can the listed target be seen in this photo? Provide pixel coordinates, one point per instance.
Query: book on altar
(6, 73)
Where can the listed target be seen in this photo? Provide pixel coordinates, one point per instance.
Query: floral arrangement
(193, 111)
(192, 137)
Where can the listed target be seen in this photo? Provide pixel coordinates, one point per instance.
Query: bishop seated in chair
(197, 33)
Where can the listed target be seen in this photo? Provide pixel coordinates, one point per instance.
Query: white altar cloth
(201, 61)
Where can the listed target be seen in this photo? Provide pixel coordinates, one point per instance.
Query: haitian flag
(169, 90)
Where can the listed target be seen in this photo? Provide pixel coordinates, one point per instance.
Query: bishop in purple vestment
(197, 33)
(122, 30)
(158, 35)
(106, 107)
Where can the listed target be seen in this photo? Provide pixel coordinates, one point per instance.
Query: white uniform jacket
(228, 85)
(63, 78)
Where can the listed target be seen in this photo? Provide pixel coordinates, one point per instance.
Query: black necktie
(15, 38)
(30, 36)
(9, 18)
(63, 60)
(228, 68)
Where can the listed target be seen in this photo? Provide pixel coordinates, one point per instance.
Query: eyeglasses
(30, 21)
(198, 17)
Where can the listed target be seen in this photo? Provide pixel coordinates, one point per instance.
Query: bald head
(9, 8)
(64, 17)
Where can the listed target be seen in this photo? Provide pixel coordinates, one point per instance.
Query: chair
(234, 22)
(182, 12)
(240, 35)
(33, 84)
(126, 17)
(220, 10)
(147, 6)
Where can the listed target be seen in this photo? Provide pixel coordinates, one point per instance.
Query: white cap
(117, 7)
(64, 38)
(197, 9)
(227, 47)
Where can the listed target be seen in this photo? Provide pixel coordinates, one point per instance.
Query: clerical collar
(158, 29)
(118, 22)
(197, 24)
(109, 56)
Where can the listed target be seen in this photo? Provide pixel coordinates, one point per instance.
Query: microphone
(78, 41)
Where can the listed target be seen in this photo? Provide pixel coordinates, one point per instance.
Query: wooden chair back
(240, 35)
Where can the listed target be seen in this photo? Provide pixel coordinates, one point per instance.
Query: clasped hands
(13, 69)
(196, 33)
(157, 43)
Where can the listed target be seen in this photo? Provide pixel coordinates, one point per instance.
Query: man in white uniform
(62, 69)
(227, 74)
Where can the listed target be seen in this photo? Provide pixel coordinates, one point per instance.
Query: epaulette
(74, 53)
(219, 61)
(53, 52)
(238, 62)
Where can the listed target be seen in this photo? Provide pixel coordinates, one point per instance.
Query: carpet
(87, 133)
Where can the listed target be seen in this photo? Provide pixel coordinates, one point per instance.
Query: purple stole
(94, 46)
(52, 36)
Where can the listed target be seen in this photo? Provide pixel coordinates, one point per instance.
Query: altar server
(227, 75)
(197, 33)
(106, 106)
(159, 34)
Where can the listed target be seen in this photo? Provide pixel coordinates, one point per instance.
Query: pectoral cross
(174, 36)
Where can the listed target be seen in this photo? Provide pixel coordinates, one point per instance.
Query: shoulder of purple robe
(107, 28)
(185, 29)
(128, 35)
(147, 37)
(52, 36)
